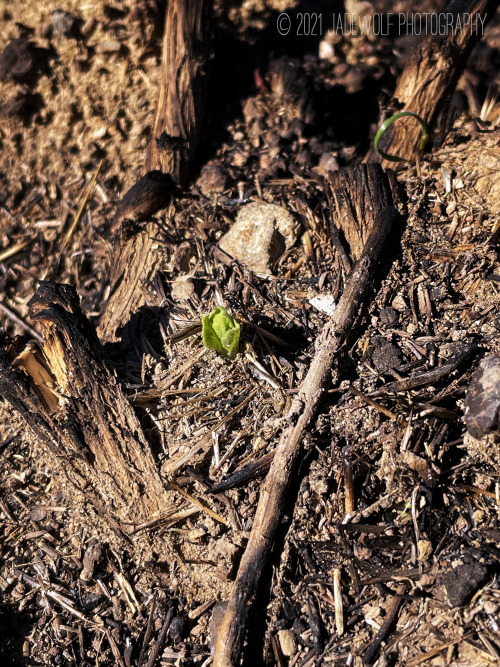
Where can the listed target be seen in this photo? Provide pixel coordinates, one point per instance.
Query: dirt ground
(423, 538)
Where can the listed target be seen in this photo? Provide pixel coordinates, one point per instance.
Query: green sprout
(395, 158)
(221, 332)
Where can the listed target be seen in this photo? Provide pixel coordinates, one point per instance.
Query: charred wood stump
(180, 109)
(356, 195)
(70, 398)
(431, 75)
(177, 126)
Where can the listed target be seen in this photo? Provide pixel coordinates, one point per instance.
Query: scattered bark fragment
(92, 558)
(356, 196)
(177, 125)
(142, 200)
(181, 106)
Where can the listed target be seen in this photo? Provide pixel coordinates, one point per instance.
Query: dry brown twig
(303, 408)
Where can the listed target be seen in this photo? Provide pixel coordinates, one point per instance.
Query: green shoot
(395, 158)
(221, 332)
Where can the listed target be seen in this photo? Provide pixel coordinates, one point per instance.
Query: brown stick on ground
(303, 408)
(176, 132)
(70, 398)
(431, 75)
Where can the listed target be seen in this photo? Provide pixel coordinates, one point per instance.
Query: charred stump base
(356, 196)
(68, 395)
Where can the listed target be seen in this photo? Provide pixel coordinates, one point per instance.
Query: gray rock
(385, 356)
(388, 317)
(177, 628)
(482, 402)
(260, 236)
(62, 21)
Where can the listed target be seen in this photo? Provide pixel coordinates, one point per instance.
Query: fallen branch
(303, 408)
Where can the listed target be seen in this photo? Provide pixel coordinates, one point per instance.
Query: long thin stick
(304, 406)
(21, 323)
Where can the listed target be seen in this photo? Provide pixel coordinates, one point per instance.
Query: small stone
(388, 317)
(326, 50)
(182, 289)
(62, 21)
(327, 162)
(92, 601)
(462, 582)
(176, 629)
(260, 236)
(37, 513)
(482, 401)
(325, 303)
(288, 643)
(17, 60)
(217, 615)
(91, 560)
(212, 179)
(438, 293)
(398, 303)
(425, 550)
(109, 46)
(386, 356)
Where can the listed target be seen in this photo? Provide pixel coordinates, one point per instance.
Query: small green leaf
(221, 332)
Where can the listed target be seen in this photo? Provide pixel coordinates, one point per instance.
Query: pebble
(92, 601)
(425, 550)
(462, 582)
(176, 629)
(17, 60)
(93, 556)
(288, 643)
(260, 236)
(385, 356)
(326, 50)
(482, 401)
(109, 46)
(62, 21)
(388, 317)
(212, 179)
(182, 288)
(327, 162)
